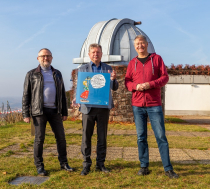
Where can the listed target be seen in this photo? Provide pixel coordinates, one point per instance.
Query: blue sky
(178, 29)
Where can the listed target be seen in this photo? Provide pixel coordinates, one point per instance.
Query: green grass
(122, 175)
(20, 134)
(117, 126)
(181, 142)
(171, 119)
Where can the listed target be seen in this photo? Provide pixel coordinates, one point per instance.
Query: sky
(178, 29)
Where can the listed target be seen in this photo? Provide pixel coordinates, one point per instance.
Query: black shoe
(41, 171)
(85, 171)
(171, 174)
(67, 167)
(143, 171)
(102, 168)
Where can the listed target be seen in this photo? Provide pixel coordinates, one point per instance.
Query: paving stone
(50, 150)
(120, 132)
(186, 134)
(172, 133)
(114, 153)
(73, 151)
(78, 132)
(29, 179)
(208, 152)
(131, 158)
(153, 151)
(204, 162)
(150, 133)
(201, 134)
(22, 155)
(49, 132)
(93, 152)
(154, 158)
(178, 155)
(198, 154)
(154, 155)
(130, 154)
(110, 132)
(13, 148)
(131, 132)
(70, 131)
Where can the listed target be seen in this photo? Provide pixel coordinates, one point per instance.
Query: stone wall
(122, 111)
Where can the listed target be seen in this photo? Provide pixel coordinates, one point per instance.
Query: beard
(46, 64)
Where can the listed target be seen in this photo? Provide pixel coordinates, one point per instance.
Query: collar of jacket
(88, 67)
(152, 55)
(38, 69)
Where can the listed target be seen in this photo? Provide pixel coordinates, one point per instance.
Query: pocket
(153, 97)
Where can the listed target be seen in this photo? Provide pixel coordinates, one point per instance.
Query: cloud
(44, 28)
(41, 31)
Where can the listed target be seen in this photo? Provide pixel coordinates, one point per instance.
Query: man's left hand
(113, 74)
(64, 118)
(146, 85)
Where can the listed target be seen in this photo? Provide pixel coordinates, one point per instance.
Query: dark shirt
(95, 68)
(143, 60)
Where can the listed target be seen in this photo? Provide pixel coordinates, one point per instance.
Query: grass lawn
(122, 175)
(128, 126)
(20, 133)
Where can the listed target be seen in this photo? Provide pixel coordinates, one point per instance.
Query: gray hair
(140, 37)
(45, 49)
(94, 45)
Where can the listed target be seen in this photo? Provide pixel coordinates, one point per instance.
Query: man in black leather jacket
(44, 99)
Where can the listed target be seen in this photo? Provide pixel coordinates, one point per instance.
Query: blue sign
(93, 88)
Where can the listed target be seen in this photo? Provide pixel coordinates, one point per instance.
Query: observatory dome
(116, 38)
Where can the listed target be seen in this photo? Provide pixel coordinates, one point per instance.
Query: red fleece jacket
(152, 71)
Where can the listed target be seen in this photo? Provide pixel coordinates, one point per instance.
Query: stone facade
(122, 111)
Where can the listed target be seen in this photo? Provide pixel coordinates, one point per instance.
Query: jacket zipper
(56, 102)
(41, 96)
(144, 82)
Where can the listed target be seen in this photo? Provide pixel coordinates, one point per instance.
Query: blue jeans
(155, 114)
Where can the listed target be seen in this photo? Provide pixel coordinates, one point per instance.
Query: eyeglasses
(47, 56)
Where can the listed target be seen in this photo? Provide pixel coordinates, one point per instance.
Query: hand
(146, 85)
(74, 104)
(139, 87)
(27, 119)
(64, 118)
(113, 74)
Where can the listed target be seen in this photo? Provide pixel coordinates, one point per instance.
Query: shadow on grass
(183, 168)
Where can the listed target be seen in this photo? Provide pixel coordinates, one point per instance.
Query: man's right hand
(139, 87)
(74, 104)
(27, 119)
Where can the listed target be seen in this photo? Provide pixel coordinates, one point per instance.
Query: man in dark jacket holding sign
(96, 113)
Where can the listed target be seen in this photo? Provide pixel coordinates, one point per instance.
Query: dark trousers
(101, 117)
(56, 124)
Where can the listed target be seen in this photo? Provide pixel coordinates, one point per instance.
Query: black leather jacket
(32, 102)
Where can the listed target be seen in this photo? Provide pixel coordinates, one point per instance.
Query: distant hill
(16, 102)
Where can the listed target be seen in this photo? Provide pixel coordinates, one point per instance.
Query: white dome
(116, 38)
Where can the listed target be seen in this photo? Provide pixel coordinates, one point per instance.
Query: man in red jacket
(145, 76)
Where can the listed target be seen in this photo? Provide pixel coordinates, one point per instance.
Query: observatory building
(116, 38)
